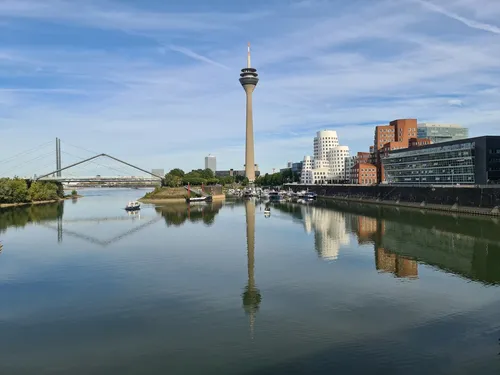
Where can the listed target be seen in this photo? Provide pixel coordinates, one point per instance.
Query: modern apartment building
(328, 164)
(211, 163)
(438, 133)
(468, 161)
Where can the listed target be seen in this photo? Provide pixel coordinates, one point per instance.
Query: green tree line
(177, 177)
(17, 190)
(278, 179)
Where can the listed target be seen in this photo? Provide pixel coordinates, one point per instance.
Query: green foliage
(13, 190)
(172, 180)
(20, 216)
(227, 180)
(43, 191)
(176, 172)
(277, 179)
(193, 180)
(245, 182)
(74, 193)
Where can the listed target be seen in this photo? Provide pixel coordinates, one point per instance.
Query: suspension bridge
(88, 170)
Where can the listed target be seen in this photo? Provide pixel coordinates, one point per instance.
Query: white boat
(207, 198)
(133, 206)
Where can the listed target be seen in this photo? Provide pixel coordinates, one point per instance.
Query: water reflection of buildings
(372, 230)
(251, 295)
(329, 229)
(465, 246)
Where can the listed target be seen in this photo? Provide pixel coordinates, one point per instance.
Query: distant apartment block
(211, 163)
(295, 167)
(233, 172)
(438, 133)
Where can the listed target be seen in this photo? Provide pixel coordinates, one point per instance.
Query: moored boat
(275, 196)
(133, 206)
(208, 198)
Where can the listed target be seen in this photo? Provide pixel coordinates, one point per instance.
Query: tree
(173, 180)
(43, 191)
(207, 173)
(176, 172)
(245, 182)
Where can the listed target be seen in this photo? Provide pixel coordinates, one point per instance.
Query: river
(86, 288)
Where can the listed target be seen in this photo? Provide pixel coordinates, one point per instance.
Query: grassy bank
(166, 194)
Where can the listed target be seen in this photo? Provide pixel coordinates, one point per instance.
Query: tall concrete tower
(248, 79)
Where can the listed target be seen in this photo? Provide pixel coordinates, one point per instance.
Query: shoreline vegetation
(20, 192)
(167, 195)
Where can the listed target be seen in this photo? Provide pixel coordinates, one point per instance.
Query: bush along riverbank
(166, 194)
(17, 191)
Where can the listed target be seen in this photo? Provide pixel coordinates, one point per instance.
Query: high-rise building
(328, 164)
(211, 163)
(249, 79)
(442, 132)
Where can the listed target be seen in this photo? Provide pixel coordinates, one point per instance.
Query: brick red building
(364, 174)
(399, 134)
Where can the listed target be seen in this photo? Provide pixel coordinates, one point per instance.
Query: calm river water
(86, 288)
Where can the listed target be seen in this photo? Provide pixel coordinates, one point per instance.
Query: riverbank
(175, 195)
(6, 205)
(455, 209)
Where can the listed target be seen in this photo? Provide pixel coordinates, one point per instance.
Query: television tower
(249, 79)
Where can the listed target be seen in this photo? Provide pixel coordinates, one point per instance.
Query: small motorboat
(133, 206)
(199, 199)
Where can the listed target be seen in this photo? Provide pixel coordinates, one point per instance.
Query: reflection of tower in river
(251, 295)
(329, 230)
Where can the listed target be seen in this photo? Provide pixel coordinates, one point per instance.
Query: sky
(155, 82)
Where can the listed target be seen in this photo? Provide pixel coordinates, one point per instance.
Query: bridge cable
(95, 153)
(25, 152)
(101, 165)
(29, 161)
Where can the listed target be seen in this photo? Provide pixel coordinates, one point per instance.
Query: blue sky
(156, 82)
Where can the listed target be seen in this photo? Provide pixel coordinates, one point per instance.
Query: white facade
(328, 164)
(330, 230)
(211, 163)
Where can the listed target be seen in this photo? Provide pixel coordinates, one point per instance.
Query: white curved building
(328, 165)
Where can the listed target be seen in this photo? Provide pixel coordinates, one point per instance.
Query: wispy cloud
(466, 21)
(196, 56)
(331, 69)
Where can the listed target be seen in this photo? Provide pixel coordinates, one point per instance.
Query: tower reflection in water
(251, 295)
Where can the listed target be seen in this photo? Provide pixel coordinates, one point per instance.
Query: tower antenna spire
(248, 56)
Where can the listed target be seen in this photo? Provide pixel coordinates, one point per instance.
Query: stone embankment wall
(456, 198)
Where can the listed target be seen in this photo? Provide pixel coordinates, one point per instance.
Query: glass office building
(469, 161)
(438, 133)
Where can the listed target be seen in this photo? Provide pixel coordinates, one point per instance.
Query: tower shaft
(249, 145)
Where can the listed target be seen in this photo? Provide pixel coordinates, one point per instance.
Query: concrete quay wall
(480, 200)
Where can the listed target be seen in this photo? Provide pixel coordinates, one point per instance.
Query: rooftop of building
(438, 125)
(448, 143)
